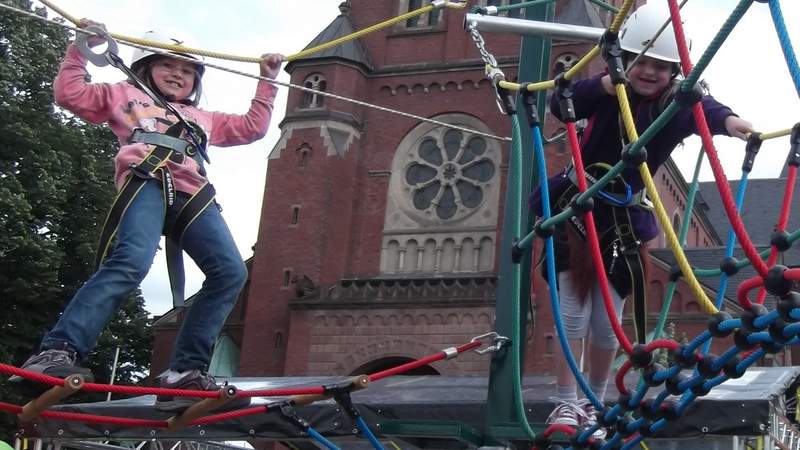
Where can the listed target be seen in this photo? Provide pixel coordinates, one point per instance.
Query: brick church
(375, 246)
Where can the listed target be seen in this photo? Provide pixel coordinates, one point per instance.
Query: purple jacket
(601, 140)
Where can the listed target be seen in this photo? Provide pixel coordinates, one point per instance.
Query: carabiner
(98, 59)
(497, 342)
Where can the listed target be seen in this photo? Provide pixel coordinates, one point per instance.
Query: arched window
(676, 222)
(564, 62)
(430, 19)
(312, 99)
(303, 155)
(448, 173)
(443, 196)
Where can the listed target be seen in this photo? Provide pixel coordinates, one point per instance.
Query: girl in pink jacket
(163, 189)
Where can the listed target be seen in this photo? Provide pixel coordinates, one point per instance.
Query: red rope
(33, 376)
(711, 152)
(558, 428)
(668, 344)
(594, 244)
(792, 274)
(421, 362)
(619, 379)
(141, 390)
(745, 288)
(230, 415)
(140, 423)
(783, 220)
(145, 423)
(281, 392)
(89, 418)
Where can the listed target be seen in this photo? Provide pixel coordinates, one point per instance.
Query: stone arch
(388, 347)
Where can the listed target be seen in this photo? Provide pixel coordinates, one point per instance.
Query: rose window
(449, 173)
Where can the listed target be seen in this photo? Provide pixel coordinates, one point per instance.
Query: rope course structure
(633, 418)
(757, 332)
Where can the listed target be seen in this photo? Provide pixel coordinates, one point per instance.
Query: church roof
(341, 26)
(759, 211)
(579, 12)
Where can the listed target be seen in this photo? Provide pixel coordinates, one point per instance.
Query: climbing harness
(618, 242)
(167, 146)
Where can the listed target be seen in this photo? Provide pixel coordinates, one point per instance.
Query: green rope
(662, 318)
(605, 6)
(523, 5)
(515, 201)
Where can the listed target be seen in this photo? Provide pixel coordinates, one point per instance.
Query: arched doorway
(391, 362)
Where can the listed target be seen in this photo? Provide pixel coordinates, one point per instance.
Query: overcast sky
(749, 74)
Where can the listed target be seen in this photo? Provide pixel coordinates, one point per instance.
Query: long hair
(581, 265)
(142, 70)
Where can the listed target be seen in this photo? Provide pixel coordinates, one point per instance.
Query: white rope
(269, 80)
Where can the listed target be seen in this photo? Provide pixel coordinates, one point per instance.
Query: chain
(493, 73)
(487, 57)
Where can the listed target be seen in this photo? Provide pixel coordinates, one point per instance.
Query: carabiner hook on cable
(497, 342)
(108, 56)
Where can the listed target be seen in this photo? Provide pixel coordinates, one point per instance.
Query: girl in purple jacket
(652, 81)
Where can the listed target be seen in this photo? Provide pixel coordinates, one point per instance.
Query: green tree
(55, 188)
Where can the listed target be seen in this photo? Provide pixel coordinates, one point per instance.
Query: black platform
(741, 407)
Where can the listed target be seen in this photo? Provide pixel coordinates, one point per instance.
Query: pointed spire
(579, 12)
(344, 8)
(341, 26)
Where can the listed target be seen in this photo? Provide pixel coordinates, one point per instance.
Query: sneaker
(588, 418)
(196, 380)
(565, 413)
(55, 363)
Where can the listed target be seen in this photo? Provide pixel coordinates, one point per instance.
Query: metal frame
(534, 28)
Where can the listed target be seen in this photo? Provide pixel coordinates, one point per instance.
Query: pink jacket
(125, 108)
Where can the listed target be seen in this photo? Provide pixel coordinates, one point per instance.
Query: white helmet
(141, 56)
(640, 27)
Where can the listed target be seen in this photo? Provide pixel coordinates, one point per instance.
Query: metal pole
(113, 372)
(493, 24)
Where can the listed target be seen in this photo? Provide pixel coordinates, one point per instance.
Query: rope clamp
(503, 97)
(612, 54)
(498, 342)
(288, 411)
(456, 4)
(98, 59)
(450, 353)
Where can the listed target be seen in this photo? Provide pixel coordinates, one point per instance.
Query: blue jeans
(207, 241)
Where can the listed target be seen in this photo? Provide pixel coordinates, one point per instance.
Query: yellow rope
(229, 57)
(533, 87)
(378, 26)
(580, 65)
(619, 18)
(395, 446)
(776, 134)
(644, 446)
(661, 213)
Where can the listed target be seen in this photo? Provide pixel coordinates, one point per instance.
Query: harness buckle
(137, 170)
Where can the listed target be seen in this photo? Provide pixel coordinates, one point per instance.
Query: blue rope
(550, 260)
(786, 43)
(321, 439)
(362, 425)
(723, 278)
